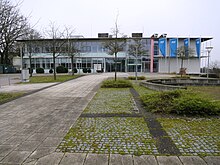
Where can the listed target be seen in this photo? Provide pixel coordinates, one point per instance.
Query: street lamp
(209, 49)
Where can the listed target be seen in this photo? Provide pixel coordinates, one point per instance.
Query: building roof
(203, 38)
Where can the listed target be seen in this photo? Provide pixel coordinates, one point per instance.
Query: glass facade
(90, 54)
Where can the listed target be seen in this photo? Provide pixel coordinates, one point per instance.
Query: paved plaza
(33, 126)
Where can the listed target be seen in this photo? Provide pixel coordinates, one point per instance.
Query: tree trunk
(72, 65)
(181, 72)
(115, 66)
(54, 66)
(30, 65)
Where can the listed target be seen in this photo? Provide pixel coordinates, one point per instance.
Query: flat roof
(205, 38)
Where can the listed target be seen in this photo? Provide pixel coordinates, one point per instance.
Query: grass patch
(50, 79)
(4, 97)
(208, 91)
(180, 102)
(111, 100)
(141, 89)
(200, 136)
(119, 83)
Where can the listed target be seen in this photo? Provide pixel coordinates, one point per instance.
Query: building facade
(157, 54)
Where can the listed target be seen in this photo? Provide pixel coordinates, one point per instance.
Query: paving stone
(97, 159)
(195, 160)
(41, 152)
(171, 160)
(73, 159)
(51, 142)
(28, 146)
(30, 162)
(145, 160)
(15, 157)
(6, 149)
(116, 159)
(15, 140)
(51, 159)
(38, 137)
(212, 160)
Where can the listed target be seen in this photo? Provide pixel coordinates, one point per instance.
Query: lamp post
(209, 49)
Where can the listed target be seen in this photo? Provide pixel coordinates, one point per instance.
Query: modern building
(152, 54)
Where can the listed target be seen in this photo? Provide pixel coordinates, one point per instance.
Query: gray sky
(88, 17)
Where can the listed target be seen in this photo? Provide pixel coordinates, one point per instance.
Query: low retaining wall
(176, 83)
(161, 87)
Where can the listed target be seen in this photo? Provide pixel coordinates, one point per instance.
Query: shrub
(195, 105)
(75, 70)
(89, 70)
(85, 70)
(40, 70)
(116, 84)
(51, 71)
(160, 101)
(180, 102)
(138, 77)
(61, 69)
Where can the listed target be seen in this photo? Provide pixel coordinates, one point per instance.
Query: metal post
(209, 49)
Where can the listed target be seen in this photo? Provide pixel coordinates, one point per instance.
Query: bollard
(9, 82)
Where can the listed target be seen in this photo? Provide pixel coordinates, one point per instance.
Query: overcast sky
(89, 17)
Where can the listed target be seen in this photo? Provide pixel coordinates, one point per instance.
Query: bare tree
(215, 68)
(136, 49)
(184, 53)
(56, 43)
(13, 25)
(72, 46)
(32, 34)
(115, 45)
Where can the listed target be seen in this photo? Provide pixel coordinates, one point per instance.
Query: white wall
(172, 65)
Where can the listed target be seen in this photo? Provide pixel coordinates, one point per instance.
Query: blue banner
(162, 46)
(186, 46)
(173, 47)
(198, 46)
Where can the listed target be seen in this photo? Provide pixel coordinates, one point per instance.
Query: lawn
(209, 91)
(8, 96)
(50, 79)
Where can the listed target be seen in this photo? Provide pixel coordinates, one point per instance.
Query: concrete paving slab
(195, 160)
(28, 146)
(171, 160)
(33, 162)
(15, 140)
(97, 159)
(145, 160)
(212, 160)
(38, 137)
(73, 159)
(51, 159)
(116, 159)
(6, 149)
(41, 152)
(15, 157)
(51, 142)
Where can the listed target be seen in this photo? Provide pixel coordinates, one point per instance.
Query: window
(86, 49)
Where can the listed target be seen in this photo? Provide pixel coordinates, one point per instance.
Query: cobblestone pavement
(194, 136)
(109, 135)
